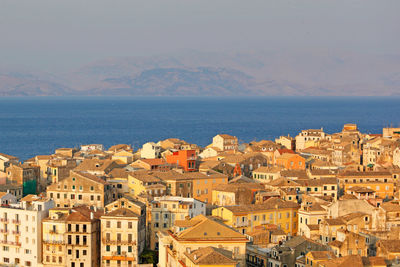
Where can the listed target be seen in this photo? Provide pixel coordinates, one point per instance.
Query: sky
(51, 35)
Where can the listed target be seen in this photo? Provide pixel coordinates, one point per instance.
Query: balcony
(3, 231)
(16, 221)
(10, 243)
(241, 224)
(118, 242)
(16, 232)
(121, 253)
(4, 220)
(53, 232)
(54, 242)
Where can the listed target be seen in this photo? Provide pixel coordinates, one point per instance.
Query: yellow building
(81, 188)
(120, 238)
(197, 234)
(70, 237)
(273, 211)
(165, 210)
(143, 183)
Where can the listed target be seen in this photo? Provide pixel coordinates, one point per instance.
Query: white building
(92, 147)
(308, 138)
(225, 142)
(150, 150)
(21, 231)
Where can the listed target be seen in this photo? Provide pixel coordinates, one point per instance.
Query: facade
(121, 239)
(71, 237)
(150, 150)
(225, 142)
(80, 188)
(291, 161)
(246, 218)
(165, 210)
(197, 233)
(21, 231)
(185, 159)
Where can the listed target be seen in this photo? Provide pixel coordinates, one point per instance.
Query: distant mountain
(26, 84)
(197, 74)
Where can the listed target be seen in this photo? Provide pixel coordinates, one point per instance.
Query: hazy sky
(63, 34)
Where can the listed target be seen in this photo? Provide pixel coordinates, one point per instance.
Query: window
(107, 248)
(129, 248)
(91, 188)
(69, 251)
(129, 225)
(118, 224)
(84, 252)
(108, 224)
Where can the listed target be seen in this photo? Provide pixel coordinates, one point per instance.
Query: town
(316, 199)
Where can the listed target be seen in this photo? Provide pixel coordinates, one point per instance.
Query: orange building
(204, 183)
(183, 158)
(291, 161)
(382, 189)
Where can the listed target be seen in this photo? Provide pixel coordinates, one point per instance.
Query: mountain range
(320, 73)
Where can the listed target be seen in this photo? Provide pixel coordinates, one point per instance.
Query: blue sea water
(38, 125)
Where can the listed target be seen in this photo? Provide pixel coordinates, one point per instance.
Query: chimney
(91, 216)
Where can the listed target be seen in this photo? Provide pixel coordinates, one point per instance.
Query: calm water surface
(32, 126)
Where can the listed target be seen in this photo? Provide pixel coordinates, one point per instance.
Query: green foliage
(149, 256)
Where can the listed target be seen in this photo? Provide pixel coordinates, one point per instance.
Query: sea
(32, 126)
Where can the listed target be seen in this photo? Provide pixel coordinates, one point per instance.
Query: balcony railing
(11, 243)
(120, 242)
(16, 232)
(56, 242)
(16, 221)
(5, 220)
(3, 231)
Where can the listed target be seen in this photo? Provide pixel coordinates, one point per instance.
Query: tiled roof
(269, 204)
(208, 229)
(121, 212)
(211, 256)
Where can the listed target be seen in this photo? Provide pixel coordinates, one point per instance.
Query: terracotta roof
(269, 204)
(96, 165)
(390, 207)
(121, 212)
(361, 189)
(119, 173)
(208, 229)
(8, 156)
(88, 176)
(83, 214)
(211, 256)
(390, 245)
(336, 221)
(227, 136)
(154, 162)
(322, 255)
(268, 169)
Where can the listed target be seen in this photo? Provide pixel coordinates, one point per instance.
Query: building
(6, 161)
(21, 231)
(225, 142)
(26, 175)
(291, 161)
(80, 188)
(197, 233)
(71, 237)
(185, 159)
(121, 238)
(309, 138)
(245, 218)
(150, 150)
(165, 210)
